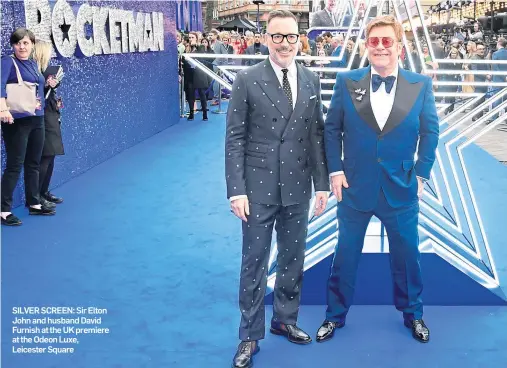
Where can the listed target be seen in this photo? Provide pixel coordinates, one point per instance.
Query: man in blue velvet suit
(379, 118)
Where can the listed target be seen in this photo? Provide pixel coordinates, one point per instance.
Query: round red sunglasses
(374, 41)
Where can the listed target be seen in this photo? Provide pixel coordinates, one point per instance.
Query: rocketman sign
(115, 31)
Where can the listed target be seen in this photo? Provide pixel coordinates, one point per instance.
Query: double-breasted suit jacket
(323, 19)
(273, 151)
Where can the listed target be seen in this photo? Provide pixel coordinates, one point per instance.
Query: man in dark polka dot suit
(274, 152)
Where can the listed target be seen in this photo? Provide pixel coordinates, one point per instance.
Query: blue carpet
(149, 236)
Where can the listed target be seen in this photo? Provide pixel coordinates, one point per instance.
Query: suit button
(299, 159)
(274, 120)
(300, 140)
(282, 140)
(306, 120)
(379, 159)
(380, 138)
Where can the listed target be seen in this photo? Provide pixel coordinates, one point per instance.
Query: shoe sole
(284, 334)
(16, 224)
(42, 214)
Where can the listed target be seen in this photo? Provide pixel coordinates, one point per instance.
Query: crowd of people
(464, 45)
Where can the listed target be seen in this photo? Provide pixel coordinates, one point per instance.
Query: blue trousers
(401, 227)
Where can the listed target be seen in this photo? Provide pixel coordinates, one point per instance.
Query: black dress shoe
(52, 198)
(419, 330)
(44, 203)
(47, 204)
(244, 356)
(292, 332)
(11, 220)
(43, 211)
(326, 331)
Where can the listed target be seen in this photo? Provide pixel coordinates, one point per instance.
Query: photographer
(477, 34)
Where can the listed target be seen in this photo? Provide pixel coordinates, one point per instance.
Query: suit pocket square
(314, 96)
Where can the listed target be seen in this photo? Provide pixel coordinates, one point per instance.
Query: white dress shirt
(292, 76)
(381, 102)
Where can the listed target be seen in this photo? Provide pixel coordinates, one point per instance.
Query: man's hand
(420, 187)
(337, 182)
(320, 203)
(240, 208)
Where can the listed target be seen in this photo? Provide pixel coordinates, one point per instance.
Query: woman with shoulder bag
(22, 116)
(53, 144)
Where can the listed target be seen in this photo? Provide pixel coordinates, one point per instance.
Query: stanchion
(182, 98)
(219, 110)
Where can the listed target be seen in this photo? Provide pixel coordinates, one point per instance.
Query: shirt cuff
(337, 173)
(423, 179)
(238, 197)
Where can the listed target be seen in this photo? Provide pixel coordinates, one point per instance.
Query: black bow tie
(377, 80)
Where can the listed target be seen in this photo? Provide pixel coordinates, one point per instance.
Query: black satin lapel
(271, 87)
(363, 106)
(404, 100)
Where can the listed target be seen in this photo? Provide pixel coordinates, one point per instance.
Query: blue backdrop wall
(189, 15)
(111, 102)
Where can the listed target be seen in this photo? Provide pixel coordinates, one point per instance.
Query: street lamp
(258, 3)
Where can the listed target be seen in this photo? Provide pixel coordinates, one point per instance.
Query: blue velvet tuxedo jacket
(374, 159)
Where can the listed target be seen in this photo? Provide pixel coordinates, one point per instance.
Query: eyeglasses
(278, 38)
(374, 41)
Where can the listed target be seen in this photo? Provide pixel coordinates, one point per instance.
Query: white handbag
(21, 96)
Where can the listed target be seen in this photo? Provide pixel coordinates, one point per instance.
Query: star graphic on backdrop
(65, 30)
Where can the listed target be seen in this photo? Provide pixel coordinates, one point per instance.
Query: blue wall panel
(111, 101)
(189, 15)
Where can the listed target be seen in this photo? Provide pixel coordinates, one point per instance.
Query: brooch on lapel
(360, 93)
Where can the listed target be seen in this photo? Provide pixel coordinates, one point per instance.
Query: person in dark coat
(453, 54)
(53, 144)
(195, 80)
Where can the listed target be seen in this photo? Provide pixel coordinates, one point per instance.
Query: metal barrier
(220, 86)
(182, 98)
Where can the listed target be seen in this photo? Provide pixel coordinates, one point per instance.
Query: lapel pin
(360, 93)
